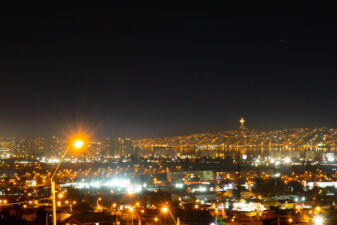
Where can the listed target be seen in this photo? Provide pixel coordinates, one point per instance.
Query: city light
(287, 160)
(140, 114)
(318, 220)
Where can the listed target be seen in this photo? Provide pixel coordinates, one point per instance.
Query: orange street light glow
(164, 209)
(78, 144)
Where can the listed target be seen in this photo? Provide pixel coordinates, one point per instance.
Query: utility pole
(53, 201)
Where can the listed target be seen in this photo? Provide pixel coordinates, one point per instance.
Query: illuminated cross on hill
(242, 121)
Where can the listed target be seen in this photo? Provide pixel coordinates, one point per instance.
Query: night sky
(166, 70)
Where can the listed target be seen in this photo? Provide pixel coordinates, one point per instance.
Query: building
(91, 219)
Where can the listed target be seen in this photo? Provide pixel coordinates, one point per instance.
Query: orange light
(137, 203)
(164, 209)
(131, 209)
(156, 219)
(196, 206)
(78, 144)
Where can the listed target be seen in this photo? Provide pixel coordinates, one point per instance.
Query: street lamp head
(78, 144)
(164, 209)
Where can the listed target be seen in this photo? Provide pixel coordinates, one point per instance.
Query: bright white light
(248, 207)
(130, 191)
(95, 184)
(287, 160)
(244, 157)
(118, 183)
(179, 186)
(53, 160)
(318, 220)
(203, 189)
(331, 159)
(138, 189)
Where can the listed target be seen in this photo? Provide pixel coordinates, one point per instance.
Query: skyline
(242, 129)
(157, 70)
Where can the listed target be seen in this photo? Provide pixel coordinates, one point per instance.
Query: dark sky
(155, 70)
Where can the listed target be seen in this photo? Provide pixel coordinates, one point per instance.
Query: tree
(295, 187)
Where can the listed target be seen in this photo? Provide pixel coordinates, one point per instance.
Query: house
(91, 219)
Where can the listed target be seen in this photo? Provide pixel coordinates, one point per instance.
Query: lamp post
(131, 211)
(76, 144)
(165, 210)
(98, 206)
(114, 205)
